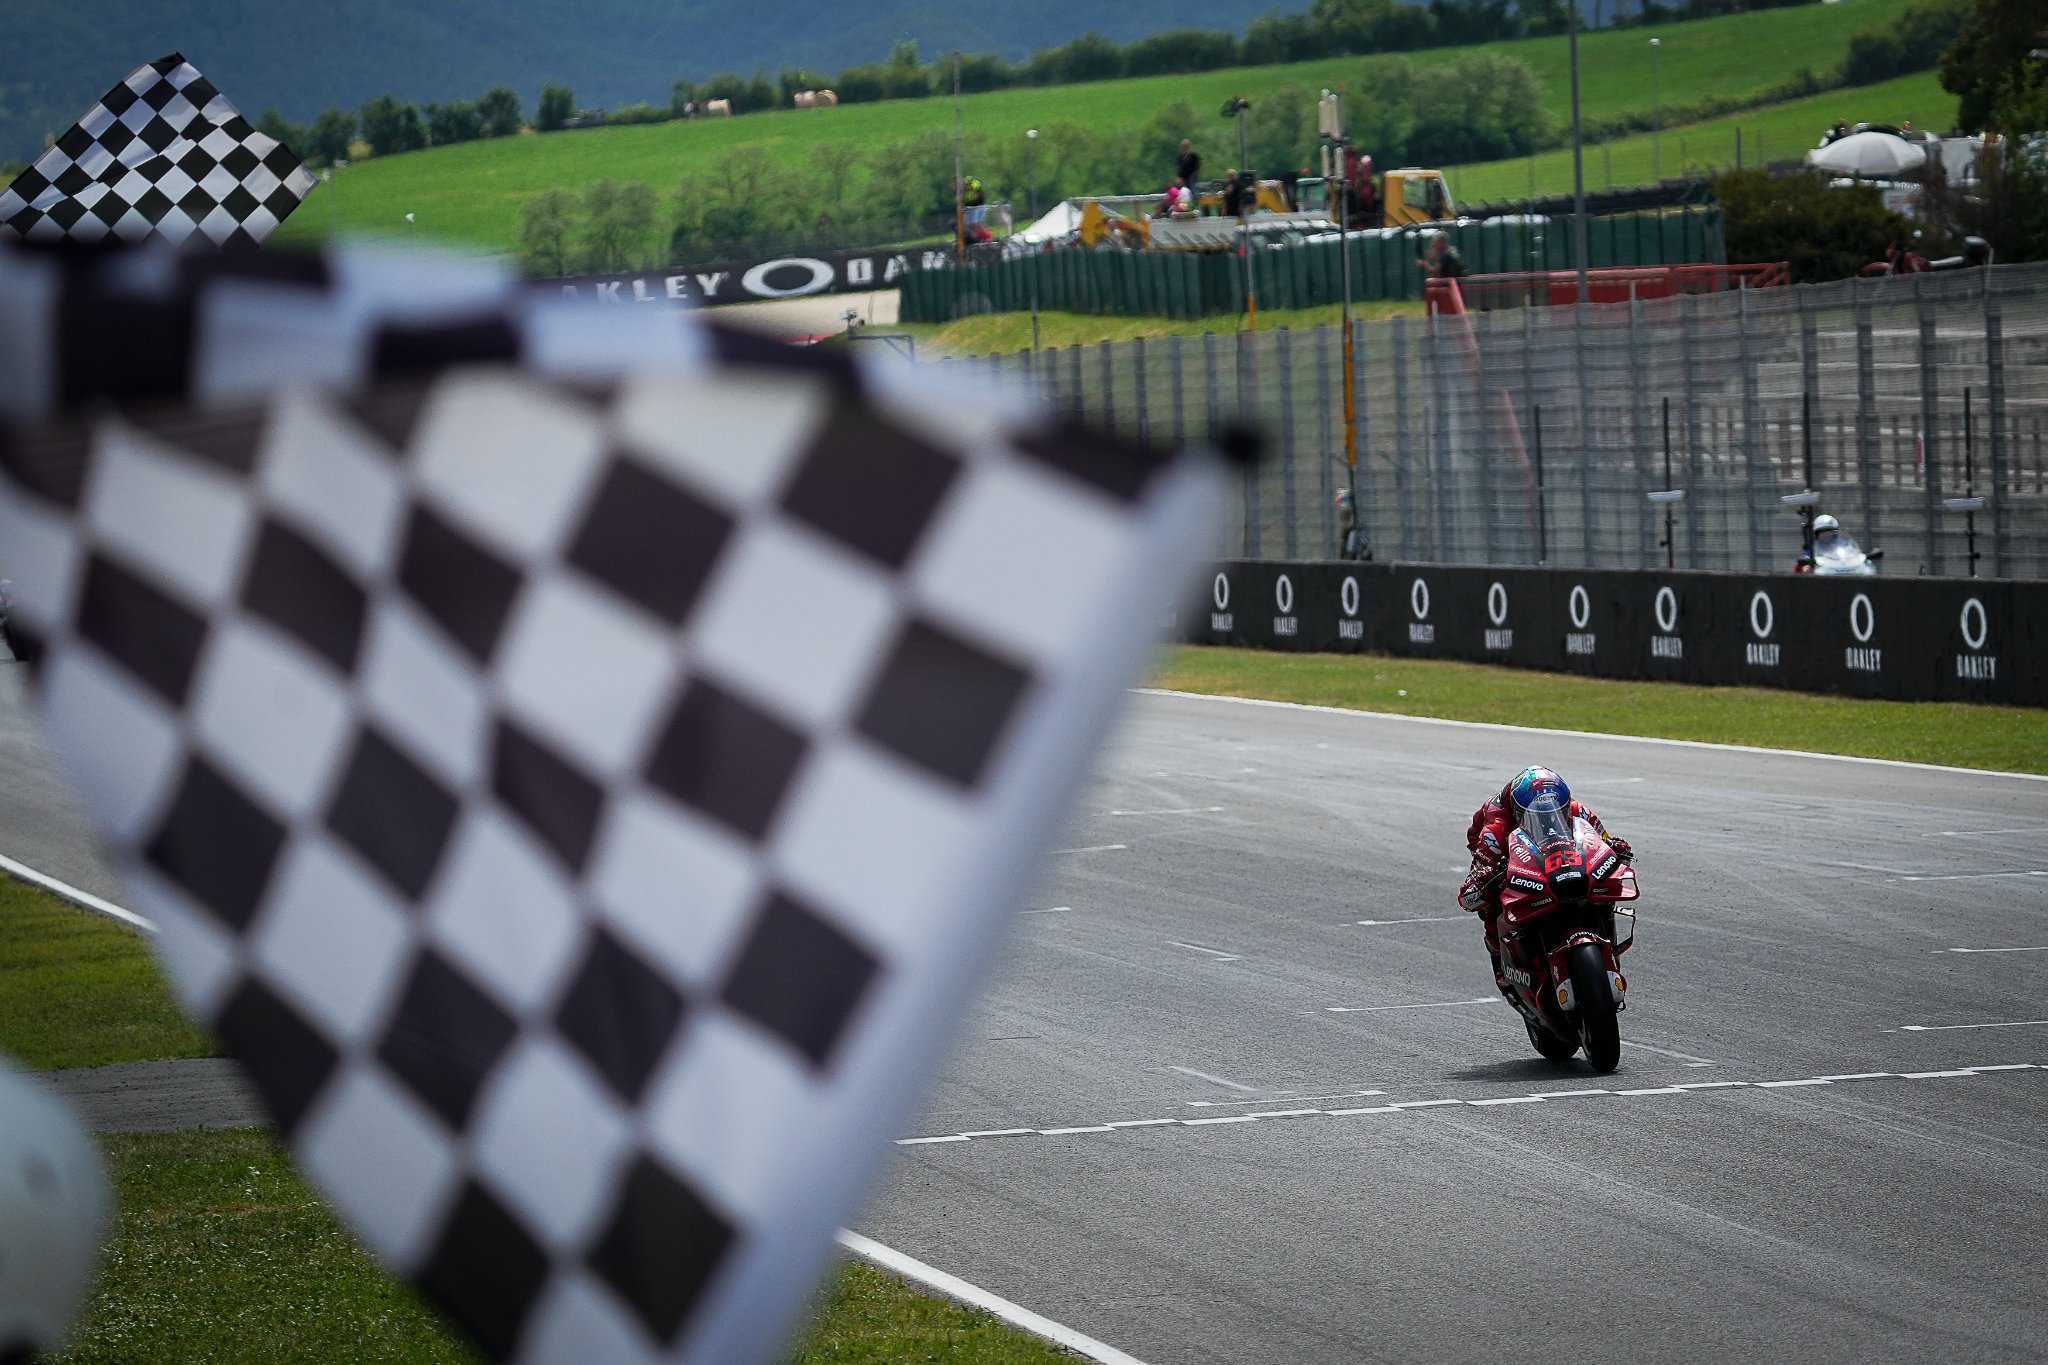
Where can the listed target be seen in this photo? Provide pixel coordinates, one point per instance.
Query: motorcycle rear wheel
(1594, 1000)
(1554, 1048)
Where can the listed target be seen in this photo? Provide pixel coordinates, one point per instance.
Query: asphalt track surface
(1200, 956)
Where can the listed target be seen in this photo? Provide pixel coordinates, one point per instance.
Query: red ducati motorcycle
(1563, 927)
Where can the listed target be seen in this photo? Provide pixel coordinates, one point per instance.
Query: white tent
(1063, 221)
(1874, 156)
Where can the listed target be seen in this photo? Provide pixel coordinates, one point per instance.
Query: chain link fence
(1529, 435)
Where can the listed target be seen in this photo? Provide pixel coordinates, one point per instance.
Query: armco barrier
(1906, 639)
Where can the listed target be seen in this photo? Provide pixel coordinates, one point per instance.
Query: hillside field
(471, 193)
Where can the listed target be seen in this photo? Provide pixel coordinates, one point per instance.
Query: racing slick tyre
(1594, 999)
(1549, 1044)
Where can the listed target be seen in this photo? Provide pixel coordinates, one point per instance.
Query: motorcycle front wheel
(1594, 998)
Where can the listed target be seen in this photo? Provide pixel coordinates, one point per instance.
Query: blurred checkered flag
(163, 154)
(581, 793)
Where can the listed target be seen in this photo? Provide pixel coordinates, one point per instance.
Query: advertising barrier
(1904, 639)
(753, 281)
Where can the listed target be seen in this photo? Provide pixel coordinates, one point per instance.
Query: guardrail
(1905, 639)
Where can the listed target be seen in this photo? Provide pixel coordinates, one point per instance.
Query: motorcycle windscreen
(1548, 826)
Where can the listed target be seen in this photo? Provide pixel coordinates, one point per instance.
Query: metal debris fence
(1535, 435)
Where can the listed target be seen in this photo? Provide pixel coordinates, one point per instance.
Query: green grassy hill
(471, 193)
(1778, 132)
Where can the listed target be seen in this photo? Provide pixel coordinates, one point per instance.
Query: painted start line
(1491, 1102)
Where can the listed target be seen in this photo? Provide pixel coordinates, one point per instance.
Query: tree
(557, 107)
(1826, 234)
(987, 71)
(1913, 42)
(1381, 119)
(285, 131)
(450, 123)
(617, 220)
(1989, 52)
(1281, 128)
(1159, 142)
(1180, 50)
(906, 77)
(1090, 57)
(1275, 38)
(759, 95)
(546, 223)
(1543, 16)
(327, 140)
(500, 112)
(390, 127)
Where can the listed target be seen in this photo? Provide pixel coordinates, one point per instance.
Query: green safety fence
(1178, 284)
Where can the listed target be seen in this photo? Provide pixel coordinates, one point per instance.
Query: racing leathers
(1487, 841)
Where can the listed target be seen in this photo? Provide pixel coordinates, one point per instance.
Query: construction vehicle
(1402, 198)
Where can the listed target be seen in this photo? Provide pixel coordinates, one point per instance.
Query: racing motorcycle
(1563, 927)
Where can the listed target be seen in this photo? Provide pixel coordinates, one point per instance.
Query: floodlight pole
(1657, 102)
(959, 173)
(1578, 162)
(1344, 270)
(1244, 231)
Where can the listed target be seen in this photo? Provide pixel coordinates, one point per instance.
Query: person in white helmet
(53, 1216)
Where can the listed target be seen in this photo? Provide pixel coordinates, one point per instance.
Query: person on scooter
(1487, 841)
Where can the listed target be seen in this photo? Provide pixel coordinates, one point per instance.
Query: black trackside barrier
(1904, 639)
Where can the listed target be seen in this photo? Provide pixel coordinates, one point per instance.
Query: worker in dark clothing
(1189, 165)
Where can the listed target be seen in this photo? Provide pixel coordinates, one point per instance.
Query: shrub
(1912, 42)
(638, 113)
(1826, 234)
(557, 107)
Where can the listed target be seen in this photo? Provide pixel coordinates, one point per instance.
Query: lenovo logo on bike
(1579, 640)
(1286, 623)
(1529, 884)
(1763, 618)
(1349, 627)
(1220, 619)
(1668, 645)
(1976, 666)
(1863, 657)
(1498, 636)
(1420, 632)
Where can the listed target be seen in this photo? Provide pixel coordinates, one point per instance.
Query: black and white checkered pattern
(582, 802)
(163, 154)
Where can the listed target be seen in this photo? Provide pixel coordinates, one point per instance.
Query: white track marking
(1950, 1028)
(1686, 1057)
(1483, 1102)
(1420, 919)
(1182, 810)
(1971, 876)
(1342, 1095)
(1429, 1005)
(1986, 833)
(1589, 734)
(1216, 953)
(1048, 910)
(1227, 1085)
(1094, 848)
(974, 1296)
(2043, 949)
(64, 891)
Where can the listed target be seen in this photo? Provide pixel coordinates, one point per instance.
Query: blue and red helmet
(1537, 789)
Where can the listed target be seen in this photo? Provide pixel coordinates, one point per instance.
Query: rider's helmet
(1825, 525)
(53, 1211)
(1534, 789)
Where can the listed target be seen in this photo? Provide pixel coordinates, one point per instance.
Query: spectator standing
(1189, 165)
(1440, 260)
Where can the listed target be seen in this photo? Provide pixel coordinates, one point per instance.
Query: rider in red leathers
(1487, 840)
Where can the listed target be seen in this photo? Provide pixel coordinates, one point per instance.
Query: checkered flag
(163, 154)
(580, 793)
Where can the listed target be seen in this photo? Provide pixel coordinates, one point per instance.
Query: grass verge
(1005, 333)
(79, 990)
(222, 1252)
(2006, 738)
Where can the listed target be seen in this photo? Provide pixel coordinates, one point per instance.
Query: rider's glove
(1472, 896)
(1621, 848)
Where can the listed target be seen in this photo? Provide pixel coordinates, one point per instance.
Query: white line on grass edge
(869, 1250)
(974, 1296)
(1585, 734)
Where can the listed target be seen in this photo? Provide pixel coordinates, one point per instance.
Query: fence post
(1283, 342)
(1689, 328)
(1354, 454)
(1108, 351)
(1214, 409)
(1639, 424)
(1866, 416)
(1756, 467)
(1324, 453)
(1994, 423)
(1435, 383)
(1488, 463)
(1412, 515)
(1178, 390)
(1138, 369)
(1930, 424)
(1584, 433)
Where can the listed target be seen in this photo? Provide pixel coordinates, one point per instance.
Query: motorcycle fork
(1560, 975)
